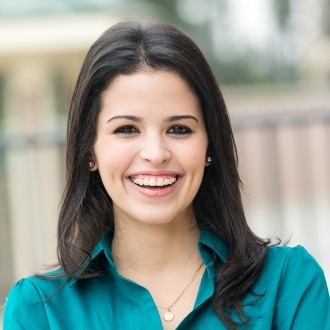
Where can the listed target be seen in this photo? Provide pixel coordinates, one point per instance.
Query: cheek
(192, 160)
(106, 153)
(196, 152)
(112, 160)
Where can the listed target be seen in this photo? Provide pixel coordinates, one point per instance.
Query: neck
(154, 248)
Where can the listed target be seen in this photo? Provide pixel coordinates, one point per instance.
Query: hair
(86, 212)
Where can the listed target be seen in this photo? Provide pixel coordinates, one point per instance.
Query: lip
(155, 192)
(155, 173)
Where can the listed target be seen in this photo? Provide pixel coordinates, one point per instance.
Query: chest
(107, 303)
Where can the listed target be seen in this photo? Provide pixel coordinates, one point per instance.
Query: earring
(91, 164)
(208, 161)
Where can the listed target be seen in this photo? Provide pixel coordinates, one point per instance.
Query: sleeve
(303, 298)
(25, 308)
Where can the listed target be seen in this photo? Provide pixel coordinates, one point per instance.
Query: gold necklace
(168, 315)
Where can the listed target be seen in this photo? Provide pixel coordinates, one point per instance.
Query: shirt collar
(104, 245)
(207, 239)
(214, 243)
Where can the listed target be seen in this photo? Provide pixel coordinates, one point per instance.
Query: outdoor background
(272, 61)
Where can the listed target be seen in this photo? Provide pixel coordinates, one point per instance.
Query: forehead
(158, 77)
(150, 90)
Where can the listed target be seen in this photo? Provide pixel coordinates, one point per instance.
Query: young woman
(152, 233)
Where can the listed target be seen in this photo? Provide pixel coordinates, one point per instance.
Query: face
(151, 147)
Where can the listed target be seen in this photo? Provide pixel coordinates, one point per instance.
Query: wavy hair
(86, 212)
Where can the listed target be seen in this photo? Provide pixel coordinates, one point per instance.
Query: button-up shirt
(295, 296)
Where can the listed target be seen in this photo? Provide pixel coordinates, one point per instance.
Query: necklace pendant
(168, 316)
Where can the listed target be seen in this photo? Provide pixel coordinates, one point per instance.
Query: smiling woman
(152, 232)
(151, 146)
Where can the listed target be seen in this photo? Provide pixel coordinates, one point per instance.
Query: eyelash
(175, 129)
(180, 130)
(126, 129)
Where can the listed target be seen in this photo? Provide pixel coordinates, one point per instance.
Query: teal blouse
(294, 287)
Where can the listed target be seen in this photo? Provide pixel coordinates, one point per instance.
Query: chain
(169, 307)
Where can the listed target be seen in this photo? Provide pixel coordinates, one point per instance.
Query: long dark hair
(86, 211)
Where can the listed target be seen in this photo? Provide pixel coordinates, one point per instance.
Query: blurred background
(271, 59)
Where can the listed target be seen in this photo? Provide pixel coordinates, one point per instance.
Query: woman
(152, 232)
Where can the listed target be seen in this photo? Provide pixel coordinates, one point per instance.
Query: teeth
(153, 182)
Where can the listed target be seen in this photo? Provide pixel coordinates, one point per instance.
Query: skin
(151, 127)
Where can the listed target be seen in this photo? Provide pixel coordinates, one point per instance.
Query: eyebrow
(139, 119)
(175, 118)
(133, 118)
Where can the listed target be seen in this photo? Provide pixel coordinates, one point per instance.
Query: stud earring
(91, 164)
(208, 161)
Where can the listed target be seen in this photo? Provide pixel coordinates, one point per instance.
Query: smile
(153, 181)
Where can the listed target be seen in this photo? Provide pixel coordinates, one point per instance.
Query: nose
(154, 150)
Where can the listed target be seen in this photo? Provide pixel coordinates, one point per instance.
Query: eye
(179, 130)
(126, 129)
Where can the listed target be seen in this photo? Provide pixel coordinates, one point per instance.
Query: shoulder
(296, 287)
(34, 288)
(284, 265)
(24, 299)
(27, 297)
(286, 253)
(292, 260)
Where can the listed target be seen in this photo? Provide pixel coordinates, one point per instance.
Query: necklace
(168, 315)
